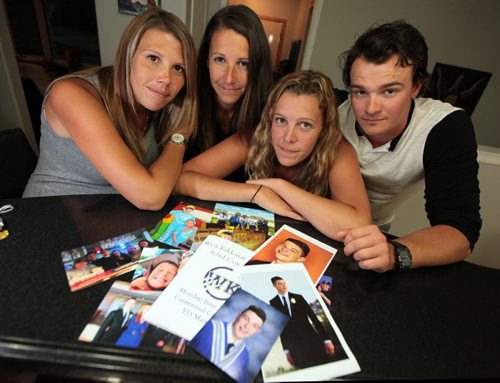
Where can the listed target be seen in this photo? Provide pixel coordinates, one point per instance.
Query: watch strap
(402, 256)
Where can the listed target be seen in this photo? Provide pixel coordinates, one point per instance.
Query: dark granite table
(440, 322)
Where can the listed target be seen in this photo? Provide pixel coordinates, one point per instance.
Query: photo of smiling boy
(291, 250)
(291, 246)
(239, 336)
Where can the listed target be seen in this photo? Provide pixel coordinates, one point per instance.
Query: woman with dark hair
(120, 129)
(298, 162)
(234, 77)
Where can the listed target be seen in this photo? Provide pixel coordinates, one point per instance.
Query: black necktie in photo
(286, 306)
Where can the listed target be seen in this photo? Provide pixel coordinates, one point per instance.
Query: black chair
(35, 79)
(17, 162)
(34, 101)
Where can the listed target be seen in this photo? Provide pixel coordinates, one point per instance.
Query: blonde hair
(262, 161)
(117, 89)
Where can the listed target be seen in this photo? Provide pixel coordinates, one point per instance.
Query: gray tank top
(62, 169)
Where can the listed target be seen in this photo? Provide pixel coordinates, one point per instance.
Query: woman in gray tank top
(122, 129)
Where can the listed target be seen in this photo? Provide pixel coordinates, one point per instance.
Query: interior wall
(111, 23)
(13, 109)
(486, 251)
(295, 12)
(411, 216)
(458, 32)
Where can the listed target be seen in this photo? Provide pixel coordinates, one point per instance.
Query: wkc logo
(217, 283)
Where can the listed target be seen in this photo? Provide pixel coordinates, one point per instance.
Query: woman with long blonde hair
(299, 164)
(123, 128)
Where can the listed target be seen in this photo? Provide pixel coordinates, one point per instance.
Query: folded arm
(432, 246)
(202, 178)
(451, 203)
(348, 206)
(75, 111)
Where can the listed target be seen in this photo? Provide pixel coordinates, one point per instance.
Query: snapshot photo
(239, 336)
(324, 287)
(156, 273)
(134, 7)
(245, 226)
(311, 346)
(179, 227)
(119, 321)
(292, 246)
(100, 261)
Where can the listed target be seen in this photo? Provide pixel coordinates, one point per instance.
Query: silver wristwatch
(178, 139)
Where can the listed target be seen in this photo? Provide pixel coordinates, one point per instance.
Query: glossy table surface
(440, 322)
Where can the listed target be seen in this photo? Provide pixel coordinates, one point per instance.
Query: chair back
(17, 162)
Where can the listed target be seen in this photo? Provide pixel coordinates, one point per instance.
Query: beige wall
(111, 23)
(486, 251)
(295, 13)
(412, 216)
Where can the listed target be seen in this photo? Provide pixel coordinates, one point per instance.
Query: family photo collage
(224, 284)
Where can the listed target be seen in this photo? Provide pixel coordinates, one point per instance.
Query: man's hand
(369, 247)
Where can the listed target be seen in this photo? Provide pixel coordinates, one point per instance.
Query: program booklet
(205, 283)
(97, 262)
(311, 346)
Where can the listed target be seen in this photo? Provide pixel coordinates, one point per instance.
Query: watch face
(404, 256)
(177, 138)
